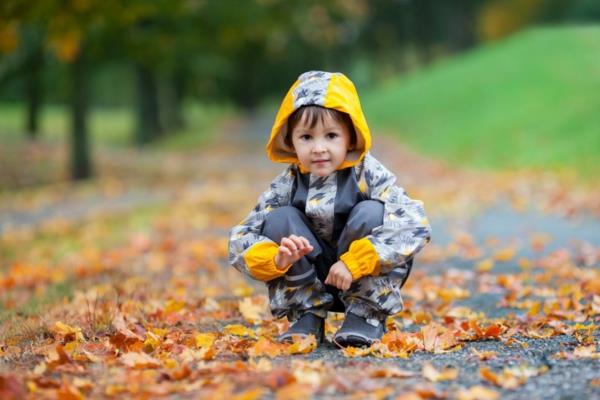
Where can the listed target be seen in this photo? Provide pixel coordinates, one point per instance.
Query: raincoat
(326, 201)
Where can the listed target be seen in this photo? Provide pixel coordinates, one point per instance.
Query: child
(333, 232)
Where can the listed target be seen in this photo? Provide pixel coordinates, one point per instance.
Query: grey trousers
(302, 289)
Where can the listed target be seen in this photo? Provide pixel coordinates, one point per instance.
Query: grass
(530, 101)
(113, 127)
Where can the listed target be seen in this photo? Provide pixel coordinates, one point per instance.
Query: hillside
(530, 101)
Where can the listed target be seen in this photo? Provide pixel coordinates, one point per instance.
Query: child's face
(322, 149)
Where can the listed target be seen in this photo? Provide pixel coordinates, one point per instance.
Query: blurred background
(498, 84)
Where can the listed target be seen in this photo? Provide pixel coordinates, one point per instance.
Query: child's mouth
(320, 162)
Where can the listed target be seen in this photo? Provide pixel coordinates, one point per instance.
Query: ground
(122, 287)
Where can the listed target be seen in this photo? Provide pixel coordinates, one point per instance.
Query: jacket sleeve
(405, 229)
(249, 251)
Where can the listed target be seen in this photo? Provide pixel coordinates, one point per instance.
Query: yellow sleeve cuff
(361, 259)
(260, 260)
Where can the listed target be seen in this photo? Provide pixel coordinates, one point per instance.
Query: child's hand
(292, 248)
(339, 276)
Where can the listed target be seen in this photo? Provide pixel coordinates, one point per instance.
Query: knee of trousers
(282, 222)
(366, 216)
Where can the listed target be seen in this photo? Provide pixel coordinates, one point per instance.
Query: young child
(333, 232)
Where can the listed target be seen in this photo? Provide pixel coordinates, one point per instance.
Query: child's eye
(305, 137)
(332, 135)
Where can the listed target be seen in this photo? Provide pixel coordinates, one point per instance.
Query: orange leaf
(68, 392)
(477, 393)
(433, 375)
(265, 347)
(302, 345)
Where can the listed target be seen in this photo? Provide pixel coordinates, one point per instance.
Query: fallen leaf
(139, 360)
(250, 310)
(238, 330)
(66, 333)
(302, 345)
(11, 388)
(205, 340)
(433, 375)
(265, 347)
(477, 393)
(485, 265)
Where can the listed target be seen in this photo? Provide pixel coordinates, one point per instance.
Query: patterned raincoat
(326, 201)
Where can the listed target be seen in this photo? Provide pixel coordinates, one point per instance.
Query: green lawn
(530, 101)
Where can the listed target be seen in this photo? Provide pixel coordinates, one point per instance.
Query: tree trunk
(81, 167)
(461, 25)
(33, 90)
(424, 22)
(148, 120)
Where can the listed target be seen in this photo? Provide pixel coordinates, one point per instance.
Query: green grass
(112, 127)
(530, 101)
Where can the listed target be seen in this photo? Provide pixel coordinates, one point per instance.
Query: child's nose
(318, 147)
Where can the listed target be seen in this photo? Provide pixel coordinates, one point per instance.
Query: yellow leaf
(505, 254)
(302, 345)
(174, 306)
(205, 340)
(239, 330)
(485, 265)
(67, 332)
(250, 394)
(152, 341)
(250, 311)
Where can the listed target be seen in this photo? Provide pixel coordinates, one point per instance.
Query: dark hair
(316, 114)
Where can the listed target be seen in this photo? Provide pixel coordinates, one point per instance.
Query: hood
(326, 89)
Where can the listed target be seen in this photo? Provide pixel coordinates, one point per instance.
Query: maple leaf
(238, 330)
(390, 372)
(123, 336)
(436, 338)
(205, 340)
(477, 393)
(66, 333)
(484, 355)
(250, 394)
(302, 345)
(265, 347)
(511, 378)
(69, 392)
(351, 351)
(250, 310)
(505, 254)
(433, 375)
(485, 265)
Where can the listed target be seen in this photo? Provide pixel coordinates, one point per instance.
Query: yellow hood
(327, 89)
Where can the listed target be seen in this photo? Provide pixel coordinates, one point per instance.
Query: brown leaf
(11, 388)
